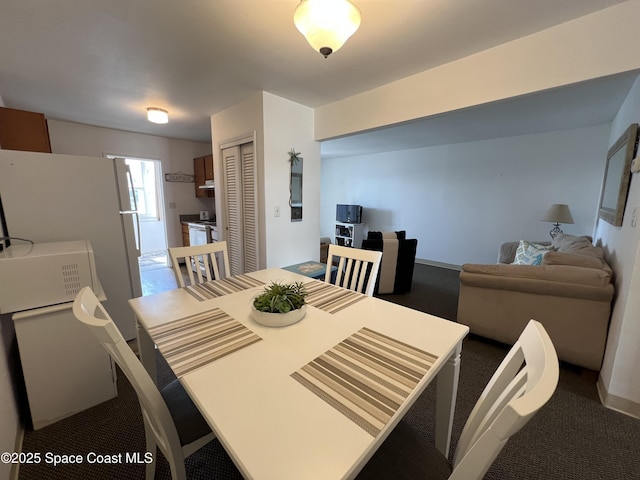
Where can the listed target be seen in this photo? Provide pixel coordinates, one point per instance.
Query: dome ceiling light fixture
(157, 115)
(326, 24)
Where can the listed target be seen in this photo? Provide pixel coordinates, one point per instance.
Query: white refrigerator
(53, 198)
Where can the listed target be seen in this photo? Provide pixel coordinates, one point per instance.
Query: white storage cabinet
(349, 234)
(65, 368)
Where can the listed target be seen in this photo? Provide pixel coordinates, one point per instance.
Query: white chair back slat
(523, 383)
(204, 259)
(357, 268)
(160, 429)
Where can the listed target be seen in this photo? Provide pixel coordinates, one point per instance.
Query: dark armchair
(398, 259)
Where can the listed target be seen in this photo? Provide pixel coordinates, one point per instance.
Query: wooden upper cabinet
(198, 175)
(22, 130)
(208, 167)
(203, 171)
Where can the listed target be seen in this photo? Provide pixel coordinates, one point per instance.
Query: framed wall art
(617, 175)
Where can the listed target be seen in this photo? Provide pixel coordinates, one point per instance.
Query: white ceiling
(102, 62)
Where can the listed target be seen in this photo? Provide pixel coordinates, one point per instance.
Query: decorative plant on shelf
(281, 298)
(294, 157)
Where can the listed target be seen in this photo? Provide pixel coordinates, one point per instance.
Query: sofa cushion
(529, 253)
(577, 260)
(580, 245)
(551, 273)
(389, 262)
(564, 241)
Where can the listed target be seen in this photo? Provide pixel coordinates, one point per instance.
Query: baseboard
(433, 263)
(15, 468)
(619, 404)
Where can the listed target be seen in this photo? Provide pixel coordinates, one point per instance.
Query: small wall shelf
(349, 234)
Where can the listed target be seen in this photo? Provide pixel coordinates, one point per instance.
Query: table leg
(147, 351)
(446, 392)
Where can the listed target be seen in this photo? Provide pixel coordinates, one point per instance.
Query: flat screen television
(349, 213)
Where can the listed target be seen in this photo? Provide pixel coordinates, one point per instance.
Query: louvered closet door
(249, 208)
(232, 178)
(241, 205)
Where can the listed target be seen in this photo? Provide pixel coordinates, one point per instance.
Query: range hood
(208, 185)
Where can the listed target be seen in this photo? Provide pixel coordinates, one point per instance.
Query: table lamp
(558, 213)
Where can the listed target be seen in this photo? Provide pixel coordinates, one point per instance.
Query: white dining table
(282, 401)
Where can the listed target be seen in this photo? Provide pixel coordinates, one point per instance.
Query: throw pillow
(529, 253)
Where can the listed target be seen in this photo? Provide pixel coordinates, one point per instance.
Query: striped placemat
(330, 298)
(366, 377)
(196, 340)
(224, 286)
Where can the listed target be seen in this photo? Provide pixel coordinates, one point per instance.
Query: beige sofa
(570, 293)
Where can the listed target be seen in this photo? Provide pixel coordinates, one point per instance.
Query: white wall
(588, 47)
(290, 125)
(619, 383)
(243, 119)
(175, 155)
(152, 236)
(461, 201)
(279, 125)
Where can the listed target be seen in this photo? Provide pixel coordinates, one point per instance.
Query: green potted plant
(280, 304)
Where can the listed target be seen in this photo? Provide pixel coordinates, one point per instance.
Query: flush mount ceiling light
(326, 24)
(157, 115)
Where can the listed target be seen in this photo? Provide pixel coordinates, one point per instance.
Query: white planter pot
(269, 319)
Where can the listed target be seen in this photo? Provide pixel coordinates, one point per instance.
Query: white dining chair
(206, 257)
(522, 384)
(171, 420)
(357, 268)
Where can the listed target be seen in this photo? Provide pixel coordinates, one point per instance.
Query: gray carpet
(572, 437)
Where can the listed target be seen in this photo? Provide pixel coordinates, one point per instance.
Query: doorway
(146, 176)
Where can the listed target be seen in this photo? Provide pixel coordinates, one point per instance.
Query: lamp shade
(157, 115)
(326, 24)
(558, 213)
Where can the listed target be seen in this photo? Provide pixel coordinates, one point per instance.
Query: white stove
(201, 233)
